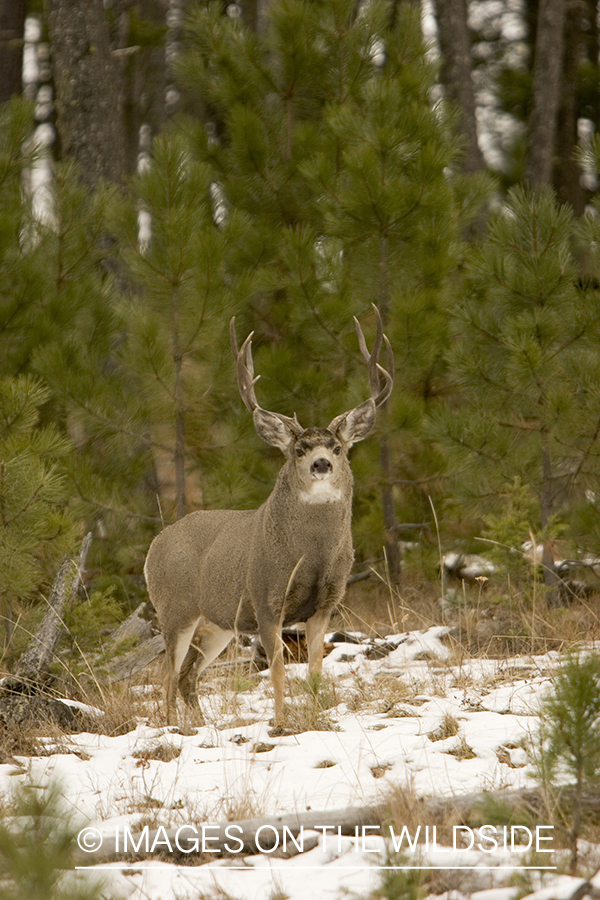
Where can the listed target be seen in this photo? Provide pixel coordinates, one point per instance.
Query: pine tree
(324, 139)
(525, 355)
(178, 311)
(35, 524)
(20, 295)
(570, 733)
(79, 297)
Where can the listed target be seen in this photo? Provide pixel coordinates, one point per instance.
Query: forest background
(166, 165)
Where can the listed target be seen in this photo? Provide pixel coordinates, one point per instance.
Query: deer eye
(299, 452)
(337, 450)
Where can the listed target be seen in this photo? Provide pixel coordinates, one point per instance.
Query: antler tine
(245, 368)
(379, 395)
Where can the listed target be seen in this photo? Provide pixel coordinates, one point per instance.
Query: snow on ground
(233, 768)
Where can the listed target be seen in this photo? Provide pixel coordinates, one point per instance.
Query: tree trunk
(226, 837)
(392, 548)
(12, 24)
(547, 80)
(146, 77)
(89, 90)
(455, 45)
(577, 810)
(566, 178)
(547, 509)
(180, 450)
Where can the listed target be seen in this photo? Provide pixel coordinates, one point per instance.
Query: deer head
(317, 458)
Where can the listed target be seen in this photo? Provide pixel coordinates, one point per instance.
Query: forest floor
(392, 720)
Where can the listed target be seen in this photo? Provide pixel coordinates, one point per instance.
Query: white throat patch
(321, 491)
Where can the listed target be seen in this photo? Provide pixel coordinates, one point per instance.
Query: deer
(217, 573)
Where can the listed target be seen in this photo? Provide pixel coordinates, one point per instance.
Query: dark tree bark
(547, 82)
(12, 23)
(455, 45)
(566, 178)
(89, 92)
(146, 74)
(390, 521)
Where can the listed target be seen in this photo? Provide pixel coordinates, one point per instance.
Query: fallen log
(245, 837)
(263, 835)
(133, 662)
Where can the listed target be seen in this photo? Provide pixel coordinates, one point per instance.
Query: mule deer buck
(217, 572)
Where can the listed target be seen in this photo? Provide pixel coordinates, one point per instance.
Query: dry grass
(492, 622)
(312, 698)
(495, 620)
(163, 751)
(462, 750)
(501, 621)
(448, 727)
(401, 806)
(42, 739)
(378, 609)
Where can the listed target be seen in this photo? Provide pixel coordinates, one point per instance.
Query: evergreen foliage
(36, 850)
(77, 353)
(325, 139)
(175, 314)
(570, 732)
(525, 358)
(36, 526)
(322, 179)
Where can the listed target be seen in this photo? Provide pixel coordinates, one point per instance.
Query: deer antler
(247, 379)
(245, 368)
(378, 394)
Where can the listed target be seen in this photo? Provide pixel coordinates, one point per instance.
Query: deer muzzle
(321, 468)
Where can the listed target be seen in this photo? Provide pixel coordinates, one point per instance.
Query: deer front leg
(270, 636)
(316, 627)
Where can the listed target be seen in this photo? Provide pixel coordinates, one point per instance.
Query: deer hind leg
(177, 644)
(208, 641)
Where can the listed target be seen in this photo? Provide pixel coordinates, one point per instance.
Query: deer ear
(279, 431)
(356, 424)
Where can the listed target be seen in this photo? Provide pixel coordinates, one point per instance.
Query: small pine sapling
(570, 733)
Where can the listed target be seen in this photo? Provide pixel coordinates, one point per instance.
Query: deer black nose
(321, 466)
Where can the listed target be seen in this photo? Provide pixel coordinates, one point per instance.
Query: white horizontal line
(251, 868)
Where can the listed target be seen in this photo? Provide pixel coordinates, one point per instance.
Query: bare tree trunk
(262, 12)
(390, 521)
(455, 45)
(392, 547)
(547, 509)
(179, 455)
(180, 491)
(12, 24)
(89, 90)
(245, 835)
(547, 80)
(566, 171)
(146, 77)
(250, 13)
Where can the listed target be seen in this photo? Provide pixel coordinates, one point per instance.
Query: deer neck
(293, 506)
